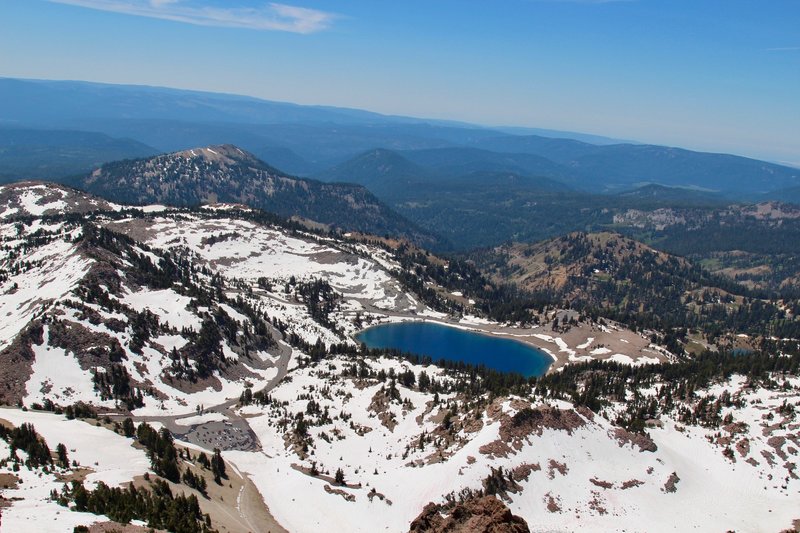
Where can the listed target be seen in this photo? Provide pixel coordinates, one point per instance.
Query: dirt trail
(255, 512)
(243, 509)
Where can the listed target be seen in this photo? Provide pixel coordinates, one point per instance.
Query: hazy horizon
(720, 77)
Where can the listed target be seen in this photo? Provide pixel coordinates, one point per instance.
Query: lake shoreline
(581, 343)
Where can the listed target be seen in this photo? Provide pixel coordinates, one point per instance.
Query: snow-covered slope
(171, 311)
(99, 455)
(236, 332)
(563, 468)
(41, 199)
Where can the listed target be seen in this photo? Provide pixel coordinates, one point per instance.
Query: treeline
(319, 298)
(115, 384)
(76, 410)
(501, 303)
(625, 282)
(164, 456)
(473, 380)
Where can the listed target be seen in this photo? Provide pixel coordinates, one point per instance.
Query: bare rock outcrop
(480, 515)
(16, 363)
(527, 421)
(642, 441)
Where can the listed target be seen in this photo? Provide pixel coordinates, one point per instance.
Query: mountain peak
(215, 152)
(224, 155)
(227, 174)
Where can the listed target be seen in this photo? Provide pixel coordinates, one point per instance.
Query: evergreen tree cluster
(115, 384)
(76, 410)
(159, 507)
(26, 438)
(474, 380)
(161, 451)
(319, 298)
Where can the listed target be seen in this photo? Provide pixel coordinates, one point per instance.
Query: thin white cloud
(271, 17)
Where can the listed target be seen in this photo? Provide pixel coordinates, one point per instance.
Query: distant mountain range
(619, 166)
(476, 198)
(320, 141)
(389, 174)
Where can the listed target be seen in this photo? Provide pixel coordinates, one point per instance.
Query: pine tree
(128, 428)
(218, 467)
(61, 453)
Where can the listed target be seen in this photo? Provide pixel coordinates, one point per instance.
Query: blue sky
(720, 75)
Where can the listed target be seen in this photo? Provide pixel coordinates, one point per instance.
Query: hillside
(383, 172)
(229, 174)
(53, 154)
(675, 195)
(421, 175)
(31, 198)
(617, 277)
(207, 357)
(751, 243)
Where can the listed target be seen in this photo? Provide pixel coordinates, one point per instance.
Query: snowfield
(109, 457)
(57, 375)
(25, 294)
(247, 250)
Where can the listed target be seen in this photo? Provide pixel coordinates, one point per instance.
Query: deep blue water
(444, 342)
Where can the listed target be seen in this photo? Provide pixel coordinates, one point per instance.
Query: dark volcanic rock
(480, 515)
(644, 442)
(16, 363)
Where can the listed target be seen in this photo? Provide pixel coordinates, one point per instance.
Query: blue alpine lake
(453, 344)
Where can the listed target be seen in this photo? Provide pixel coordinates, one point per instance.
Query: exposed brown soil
(552, 504)
(596, 503)
(76, 474)
(523, 471)
(116, 527)
(514, 430)
(600, 483)
(346, 495)
(91, 349)
(380, 406)
(8, 481)
(743, 447)
(777, 443)
(496, 448)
